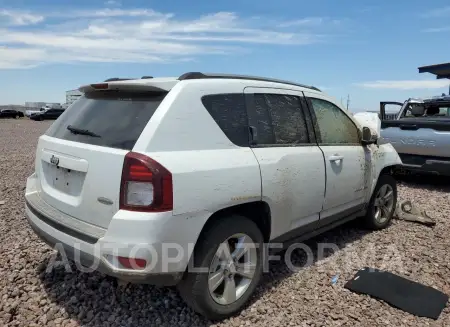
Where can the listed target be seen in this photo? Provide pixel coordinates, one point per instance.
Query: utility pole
(348, 101)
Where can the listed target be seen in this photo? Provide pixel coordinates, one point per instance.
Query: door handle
(336, 157)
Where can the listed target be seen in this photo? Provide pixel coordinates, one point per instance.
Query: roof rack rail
(114, 79)
(146, 77)
(199, 75)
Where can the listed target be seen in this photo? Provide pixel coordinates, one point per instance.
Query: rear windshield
(113, 119)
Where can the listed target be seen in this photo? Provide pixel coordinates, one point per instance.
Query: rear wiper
(76, 130)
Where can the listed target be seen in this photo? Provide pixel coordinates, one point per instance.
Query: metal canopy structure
(440, 70)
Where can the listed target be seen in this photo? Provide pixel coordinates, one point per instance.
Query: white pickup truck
(420, 133)
(28, 113)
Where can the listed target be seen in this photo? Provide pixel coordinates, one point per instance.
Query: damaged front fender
(378, 158)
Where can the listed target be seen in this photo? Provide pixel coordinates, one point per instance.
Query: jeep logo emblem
(54, 160)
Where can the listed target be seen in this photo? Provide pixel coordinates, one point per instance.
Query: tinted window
(228, 111)
(117, 117)
(333, 124)
(280, 119)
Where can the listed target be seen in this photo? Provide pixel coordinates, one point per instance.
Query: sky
(368, 51)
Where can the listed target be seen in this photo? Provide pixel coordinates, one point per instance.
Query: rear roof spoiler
(130, 85)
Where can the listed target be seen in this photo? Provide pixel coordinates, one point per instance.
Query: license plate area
(61, 179)
(64, 180)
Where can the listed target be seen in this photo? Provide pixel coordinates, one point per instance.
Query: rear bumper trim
(62, 222)
(64, 229)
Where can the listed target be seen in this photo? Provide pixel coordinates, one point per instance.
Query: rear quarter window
(118, 118)
(229, 112)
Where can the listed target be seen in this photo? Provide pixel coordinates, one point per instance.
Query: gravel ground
(32, 297)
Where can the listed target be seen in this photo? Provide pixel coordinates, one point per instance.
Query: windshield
(108, 118)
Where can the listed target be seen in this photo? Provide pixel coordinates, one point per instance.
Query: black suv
(48, 114)
(10, 113)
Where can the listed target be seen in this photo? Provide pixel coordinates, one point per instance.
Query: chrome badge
(54, 160)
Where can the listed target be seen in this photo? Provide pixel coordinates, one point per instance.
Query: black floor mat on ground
(404, 294)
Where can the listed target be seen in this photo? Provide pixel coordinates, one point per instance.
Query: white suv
(149, 179)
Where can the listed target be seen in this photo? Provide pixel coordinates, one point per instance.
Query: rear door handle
(336, 157)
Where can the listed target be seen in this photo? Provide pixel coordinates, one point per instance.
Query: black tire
(194, 286)
(370, 221)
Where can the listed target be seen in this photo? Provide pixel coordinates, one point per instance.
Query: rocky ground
(30, 296)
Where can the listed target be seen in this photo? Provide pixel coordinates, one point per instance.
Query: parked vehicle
(28, 113)
(420, 133)
(10, 113)
(47, 114)
(48, 106)
(211, 166)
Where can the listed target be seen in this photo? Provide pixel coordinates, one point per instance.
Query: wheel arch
(257, 211)
(386, 170)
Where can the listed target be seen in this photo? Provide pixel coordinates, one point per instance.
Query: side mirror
(368, 137)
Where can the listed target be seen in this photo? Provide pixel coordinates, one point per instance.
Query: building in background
(39, 105)
(72, 96)
(53, 105)
(35, 104)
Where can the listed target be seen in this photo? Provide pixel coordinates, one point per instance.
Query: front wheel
(231, 253)
(382, 204)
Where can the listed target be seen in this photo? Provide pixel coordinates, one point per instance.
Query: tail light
(146, 185)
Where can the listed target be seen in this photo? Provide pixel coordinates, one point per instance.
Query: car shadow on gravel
(94, 299)
(294, 261)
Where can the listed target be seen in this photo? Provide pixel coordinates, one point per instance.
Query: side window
(280, 119)
(229, 112)
(333, 124)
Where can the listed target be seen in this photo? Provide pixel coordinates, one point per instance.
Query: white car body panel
(300, 184)
(345, 178)
(285, 171)
(378, 157)
(293, 184)
(95, 172)
(344, 170)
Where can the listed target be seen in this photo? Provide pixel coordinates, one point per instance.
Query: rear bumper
(88, 261)
(426, 164)
(165, 241)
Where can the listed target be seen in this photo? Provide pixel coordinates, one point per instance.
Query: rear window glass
(117, 119)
